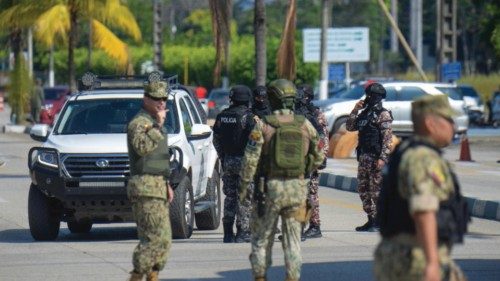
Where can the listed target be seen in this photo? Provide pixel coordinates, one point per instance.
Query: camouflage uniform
(147, 189)
(424, 179)
(232, 207)
(369, 175)
(313, 184)
(283, 198)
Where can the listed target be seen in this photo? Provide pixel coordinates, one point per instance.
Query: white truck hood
(93, 143)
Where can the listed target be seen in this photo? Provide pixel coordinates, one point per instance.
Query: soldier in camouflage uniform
(304, 106)
(284, 147)
(374, 142)
(231, 130)
(421, 211)
(148, 188)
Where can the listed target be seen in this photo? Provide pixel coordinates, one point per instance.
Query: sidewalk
(480, 180)
(7, 127)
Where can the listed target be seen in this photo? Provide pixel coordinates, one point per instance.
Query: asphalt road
(105, 253)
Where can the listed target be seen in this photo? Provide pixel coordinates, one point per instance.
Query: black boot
(242, 236)
(313, 232)
(366, 226)
(228, 231)
(375, 226)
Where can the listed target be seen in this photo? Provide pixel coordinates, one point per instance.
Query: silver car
(398, 101)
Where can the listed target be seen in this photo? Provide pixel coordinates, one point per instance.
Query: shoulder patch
(437, 175)
(255, 135)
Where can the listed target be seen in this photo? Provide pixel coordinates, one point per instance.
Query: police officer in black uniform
(231, 130)
(260, 106)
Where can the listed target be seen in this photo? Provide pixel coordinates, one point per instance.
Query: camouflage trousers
(313, 186)
(397, 262)
(282, 199)
(369, 180)
(153, 230)
(232, 207)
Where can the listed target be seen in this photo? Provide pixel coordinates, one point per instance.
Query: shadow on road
(475, 269)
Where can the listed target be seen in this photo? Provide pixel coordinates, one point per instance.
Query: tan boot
(260, 278)
(135, 276)
(152, 276)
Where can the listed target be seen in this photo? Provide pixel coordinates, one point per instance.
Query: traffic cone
(464, 149)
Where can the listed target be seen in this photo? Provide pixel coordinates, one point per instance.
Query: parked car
(55, 97)
(398, 100)
(79, 174)
(474, 104)
(218, 100)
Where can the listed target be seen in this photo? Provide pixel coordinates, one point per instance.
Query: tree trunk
(89, 51)
(15, 41)
(260, 43)
(73, 15)
(220, 11)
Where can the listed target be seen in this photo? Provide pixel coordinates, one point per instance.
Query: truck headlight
(48, 158)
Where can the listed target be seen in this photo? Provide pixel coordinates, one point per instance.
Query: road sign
(336, 72)
(349, 44)
(451, 71)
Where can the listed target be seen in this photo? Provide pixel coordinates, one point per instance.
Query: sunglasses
(155, 98)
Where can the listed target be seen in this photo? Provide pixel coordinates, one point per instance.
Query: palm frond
(117, 15)
(52, 24)
(285, 60)
(107, 41)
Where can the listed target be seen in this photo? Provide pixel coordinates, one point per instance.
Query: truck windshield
(105, 116)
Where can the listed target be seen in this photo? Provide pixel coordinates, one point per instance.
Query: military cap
(240, 93)
(432, 104)
(157, 89)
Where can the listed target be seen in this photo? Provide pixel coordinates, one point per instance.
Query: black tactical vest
(370, 135)
(234, 129)
(261, 110)
(311, 113)
(392, 210)
(155, 163)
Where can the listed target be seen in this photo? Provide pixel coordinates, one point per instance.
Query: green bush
(19, 89)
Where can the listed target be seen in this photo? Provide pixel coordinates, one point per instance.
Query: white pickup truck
(79, 174)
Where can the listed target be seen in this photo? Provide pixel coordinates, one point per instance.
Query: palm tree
(61, 19)
(285, 60)
(221, 18)
(259, 24)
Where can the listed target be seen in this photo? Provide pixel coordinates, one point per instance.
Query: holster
(260, 196)
(303, 212)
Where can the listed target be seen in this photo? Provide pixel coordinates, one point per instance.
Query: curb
(478, 208)
(19, 129)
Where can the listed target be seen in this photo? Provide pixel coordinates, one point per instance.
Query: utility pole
(394, 36)
(157, 34)
(416, 28)
(446, 35)
(325, 23)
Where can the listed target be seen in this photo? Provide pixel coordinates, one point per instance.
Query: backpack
(285, 156)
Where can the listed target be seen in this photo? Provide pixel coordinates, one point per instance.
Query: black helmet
(240, 93)
(281, 93)
(375, 89)
(260, 91)
(307, 91)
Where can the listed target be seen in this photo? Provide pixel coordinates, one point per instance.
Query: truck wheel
(182, 210)
(80, 226)
(210, 218)
(43, 218)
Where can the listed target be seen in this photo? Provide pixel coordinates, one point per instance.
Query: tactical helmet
(240, 93)
(281, 93)
(260, 91)
(307, 91)
(376, 89)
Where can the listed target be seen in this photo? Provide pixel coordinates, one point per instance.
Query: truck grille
(96, 166)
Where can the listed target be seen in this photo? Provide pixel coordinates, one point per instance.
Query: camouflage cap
(157, 89)
(432, 104)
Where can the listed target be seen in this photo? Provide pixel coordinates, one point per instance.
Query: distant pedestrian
(374, 142)
(284, 146)
(148, 188)
(37, 100)
(304, 106)
(231, 129)
(421, 210)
